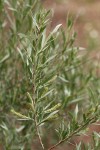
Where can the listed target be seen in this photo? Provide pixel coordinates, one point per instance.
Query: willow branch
(74, 133)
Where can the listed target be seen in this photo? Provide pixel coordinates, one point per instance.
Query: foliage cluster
(45, 85)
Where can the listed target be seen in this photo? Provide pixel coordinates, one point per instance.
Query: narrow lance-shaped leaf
(53, 108)
(4, 59)
(20, 115)
(76, 112)
(51, 116)
(49, 92)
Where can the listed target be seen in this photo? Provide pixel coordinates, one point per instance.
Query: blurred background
(86, 15)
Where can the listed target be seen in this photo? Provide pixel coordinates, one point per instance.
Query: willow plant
(43, 81)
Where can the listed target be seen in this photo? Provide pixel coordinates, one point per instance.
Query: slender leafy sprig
(43, 81)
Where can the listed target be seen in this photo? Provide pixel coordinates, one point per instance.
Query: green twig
(74, 133)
